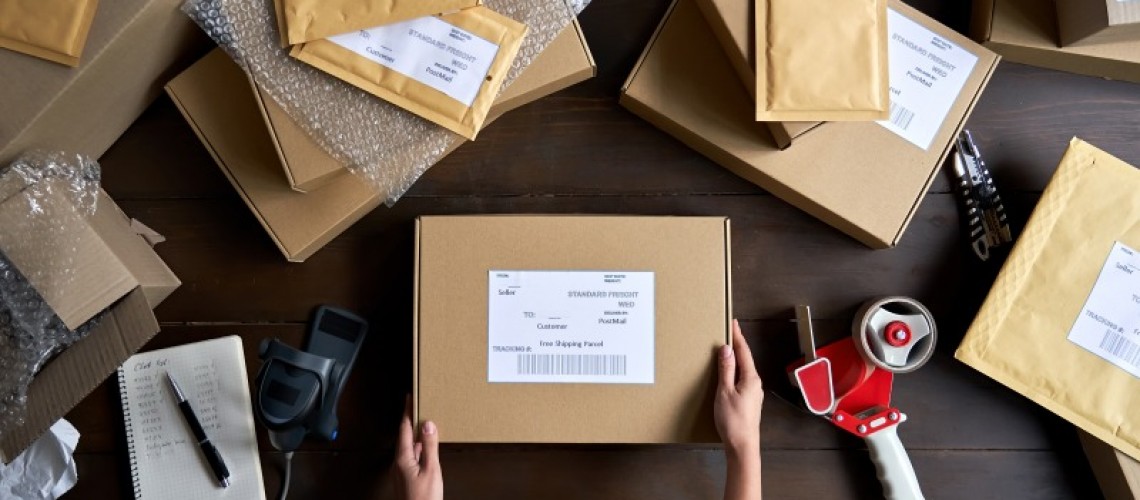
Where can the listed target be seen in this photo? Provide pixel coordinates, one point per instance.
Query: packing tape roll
(905, 309)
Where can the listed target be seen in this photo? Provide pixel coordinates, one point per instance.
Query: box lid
(229, 125)
(690, 259)
(857, 176)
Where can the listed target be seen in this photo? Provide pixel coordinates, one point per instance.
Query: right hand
(417, 463)
(739, 397)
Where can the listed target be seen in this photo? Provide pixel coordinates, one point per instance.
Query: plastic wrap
(30, 332)
(386, 145)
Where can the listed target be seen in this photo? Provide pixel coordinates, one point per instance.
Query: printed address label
(430, 51)
(927, 72)
(570, 326)
(1109, 323)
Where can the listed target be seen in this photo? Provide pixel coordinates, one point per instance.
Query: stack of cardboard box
(302, 196)
(864, 178)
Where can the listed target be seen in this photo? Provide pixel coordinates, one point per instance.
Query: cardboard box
(132, 47)
(462, 309)
(860, 177)
(1089, 22)
(1024, 31)
(1059, 325)
(134, 280)
(230, 126)
(1117, 473)
(731, 22)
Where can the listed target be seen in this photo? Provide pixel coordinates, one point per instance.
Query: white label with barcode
(431, 51)
(927, 72)
(570, 326)
(1109, 323)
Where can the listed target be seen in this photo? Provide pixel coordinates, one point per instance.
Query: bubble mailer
(386, 145)
(30, 332)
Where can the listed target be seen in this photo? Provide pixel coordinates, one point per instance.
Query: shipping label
(570, 326)
(429, 50)
(1109, 323)
(927, 72)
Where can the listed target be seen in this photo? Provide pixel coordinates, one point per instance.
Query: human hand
(416, 465)
(739, 397)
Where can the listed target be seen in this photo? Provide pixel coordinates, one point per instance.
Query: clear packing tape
(42, 195)
(387, 146)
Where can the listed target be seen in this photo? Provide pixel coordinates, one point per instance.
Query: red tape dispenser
(849, 381)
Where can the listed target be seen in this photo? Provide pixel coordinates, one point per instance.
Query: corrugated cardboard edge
(1012, 279)
(416, 324)
(69, 378)
(728, 280)
(1117, 473)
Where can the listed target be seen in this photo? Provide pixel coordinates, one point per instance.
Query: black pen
(208, 448)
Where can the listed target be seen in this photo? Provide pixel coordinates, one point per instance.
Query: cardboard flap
(117, 230)
(61, 255)
(73, 374)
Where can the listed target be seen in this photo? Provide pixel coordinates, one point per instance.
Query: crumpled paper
(46, 470)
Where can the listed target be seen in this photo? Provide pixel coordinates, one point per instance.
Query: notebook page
(166, 460)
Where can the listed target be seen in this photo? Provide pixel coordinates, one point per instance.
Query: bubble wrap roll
(30, 331)
(387, 146)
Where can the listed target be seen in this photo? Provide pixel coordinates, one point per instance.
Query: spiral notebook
(165, 459)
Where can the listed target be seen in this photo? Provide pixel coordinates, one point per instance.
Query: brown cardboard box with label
(131, 49)
(602, 327)
(1090, 22)
(860, 177)
(247, 147)
(123, 275)
(1025, 31)
(1059, 325)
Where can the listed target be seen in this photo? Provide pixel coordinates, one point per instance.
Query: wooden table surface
(579, 151)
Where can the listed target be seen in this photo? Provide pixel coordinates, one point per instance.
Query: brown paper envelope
(55, 30)
(821, 60)
(1020, 336)
(307, 20)
(411, 92)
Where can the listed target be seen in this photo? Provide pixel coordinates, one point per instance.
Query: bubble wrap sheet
(386, 145)
(30, 332)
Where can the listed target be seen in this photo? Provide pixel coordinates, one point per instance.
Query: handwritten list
(165, 457)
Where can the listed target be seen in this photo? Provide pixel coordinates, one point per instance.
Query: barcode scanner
(297, 391)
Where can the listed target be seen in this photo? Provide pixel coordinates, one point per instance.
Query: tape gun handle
(895, 471)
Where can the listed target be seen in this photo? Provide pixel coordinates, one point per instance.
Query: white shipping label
(927, 72)
(429, 50)
(570, 326)
(1109, 323)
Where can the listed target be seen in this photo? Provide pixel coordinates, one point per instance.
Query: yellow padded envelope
(307, 20)
(55, 30)
(821, 60)
(1021, 334)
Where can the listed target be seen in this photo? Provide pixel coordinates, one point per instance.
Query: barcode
(901, 116)
(571, 364)
(1121, 348)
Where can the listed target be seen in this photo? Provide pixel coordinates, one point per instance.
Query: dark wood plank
(639, 472)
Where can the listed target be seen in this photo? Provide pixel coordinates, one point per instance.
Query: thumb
(429, 435)
(726, 363)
